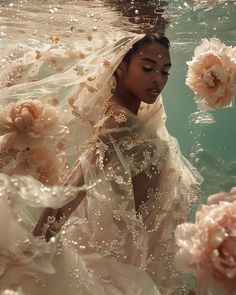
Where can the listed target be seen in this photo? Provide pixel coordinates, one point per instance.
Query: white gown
(120, 240)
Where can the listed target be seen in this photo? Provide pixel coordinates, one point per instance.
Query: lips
(154, 91)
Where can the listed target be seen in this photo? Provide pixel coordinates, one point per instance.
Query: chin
(150, 100)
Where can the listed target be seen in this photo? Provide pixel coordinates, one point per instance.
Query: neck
(126, 100)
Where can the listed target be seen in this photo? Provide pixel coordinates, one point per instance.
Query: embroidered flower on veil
(212, 74)
(208, 247)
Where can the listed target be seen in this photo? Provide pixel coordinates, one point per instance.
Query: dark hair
(147, 39)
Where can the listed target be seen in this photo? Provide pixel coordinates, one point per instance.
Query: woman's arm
(51, 220)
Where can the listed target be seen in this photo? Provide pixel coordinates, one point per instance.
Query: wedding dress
(120, 239)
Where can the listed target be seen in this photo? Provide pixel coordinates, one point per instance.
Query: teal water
(211, 148)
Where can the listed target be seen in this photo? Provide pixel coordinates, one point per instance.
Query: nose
(156, 77)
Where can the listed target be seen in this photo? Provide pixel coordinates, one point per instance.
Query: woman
(137, 186)
(144, 185)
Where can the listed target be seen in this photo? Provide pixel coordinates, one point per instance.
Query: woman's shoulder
(119, 116)
(118, 122)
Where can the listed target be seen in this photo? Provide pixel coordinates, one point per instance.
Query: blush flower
(212, 74)
(29, 122)
(208, 247)
(42, 163)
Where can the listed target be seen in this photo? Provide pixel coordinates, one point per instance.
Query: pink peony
(222, 196)
(29, 122)
(42, 163)
(208, 247)
(212, 74)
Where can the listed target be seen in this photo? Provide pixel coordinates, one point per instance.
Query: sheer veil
(76, 80)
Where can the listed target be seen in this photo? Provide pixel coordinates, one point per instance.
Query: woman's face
(145, 76)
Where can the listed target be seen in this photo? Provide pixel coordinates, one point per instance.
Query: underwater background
(209, 145)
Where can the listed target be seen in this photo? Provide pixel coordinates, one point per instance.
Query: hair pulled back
(146, 40)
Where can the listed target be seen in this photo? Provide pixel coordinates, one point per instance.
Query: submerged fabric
(120, 239)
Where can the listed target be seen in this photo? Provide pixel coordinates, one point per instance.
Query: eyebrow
(154, 62)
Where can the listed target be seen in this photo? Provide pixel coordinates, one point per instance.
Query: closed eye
(165, 73)
(147, 69)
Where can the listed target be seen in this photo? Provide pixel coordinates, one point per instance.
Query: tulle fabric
(21, 254)
(120, 240)
(136, 160)
(32, 266)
